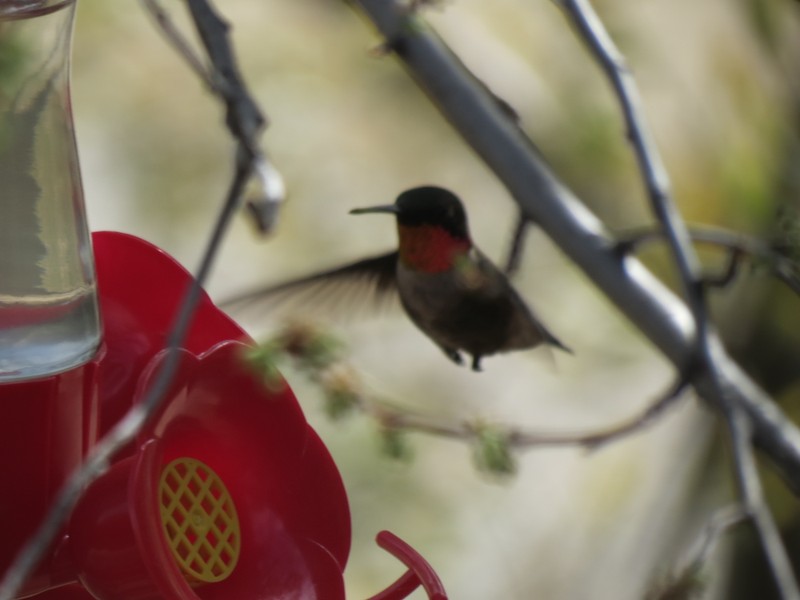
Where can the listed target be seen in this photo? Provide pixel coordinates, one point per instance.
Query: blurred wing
(346, 290)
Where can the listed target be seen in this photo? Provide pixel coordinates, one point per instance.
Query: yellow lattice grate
(199, 520)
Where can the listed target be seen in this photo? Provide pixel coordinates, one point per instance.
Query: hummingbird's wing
(366, 283)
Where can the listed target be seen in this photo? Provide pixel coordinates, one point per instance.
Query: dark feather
(364, 284)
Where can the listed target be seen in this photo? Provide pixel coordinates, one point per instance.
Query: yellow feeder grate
(199, 520)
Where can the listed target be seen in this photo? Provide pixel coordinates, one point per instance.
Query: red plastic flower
(228, 492)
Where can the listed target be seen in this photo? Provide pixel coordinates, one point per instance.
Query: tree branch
(753, 498)
(517, 245)
(318, 356)
(179, 43)
(688, 580)
(654, 174)
(244, 118)
(517, 438)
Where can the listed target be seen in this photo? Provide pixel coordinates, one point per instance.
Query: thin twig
(687, 580)
(176, 39)
(753, 498)
(595, 440)
(725, 277)
(654, 174)
(244, 118)
(394, 418)
(318, 356)
(718, 525)
(517, 245)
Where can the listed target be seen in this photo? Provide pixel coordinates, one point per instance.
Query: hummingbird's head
(431, 226)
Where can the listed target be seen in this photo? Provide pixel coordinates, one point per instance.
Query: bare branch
(752, 495)
(395, 418)
(595, 440)
(517, 245)
(688, 577)
(244, 118)
(719, 524)
(179, 43)
(318, 355)
(726, 277)
(656, 180)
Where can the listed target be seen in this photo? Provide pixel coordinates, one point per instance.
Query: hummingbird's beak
(387, 208)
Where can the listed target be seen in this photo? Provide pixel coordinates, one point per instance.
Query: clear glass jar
(48, 304)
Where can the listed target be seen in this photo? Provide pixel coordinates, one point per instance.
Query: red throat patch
(429, 248)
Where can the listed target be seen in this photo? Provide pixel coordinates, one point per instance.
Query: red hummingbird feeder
(227, 492)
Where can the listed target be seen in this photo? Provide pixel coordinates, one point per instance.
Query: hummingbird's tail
(554, 341)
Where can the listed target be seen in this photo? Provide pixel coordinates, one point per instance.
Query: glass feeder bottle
(48, 306)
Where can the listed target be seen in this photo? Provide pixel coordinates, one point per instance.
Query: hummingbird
(448, 288)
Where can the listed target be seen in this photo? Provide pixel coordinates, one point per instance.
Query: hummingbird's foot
(453, 355)
(476, 363)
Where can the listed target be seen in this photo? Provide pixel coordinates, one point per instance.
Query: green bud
(264, 359)
(340, 385)
(311, 347)
(492, 451)
(394, 444)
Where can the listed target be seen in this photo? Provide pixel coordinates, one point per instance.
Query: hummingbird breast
(471, 307)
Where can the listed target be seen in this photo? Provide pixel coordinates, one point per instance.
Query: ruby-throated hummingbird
(449, 289)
